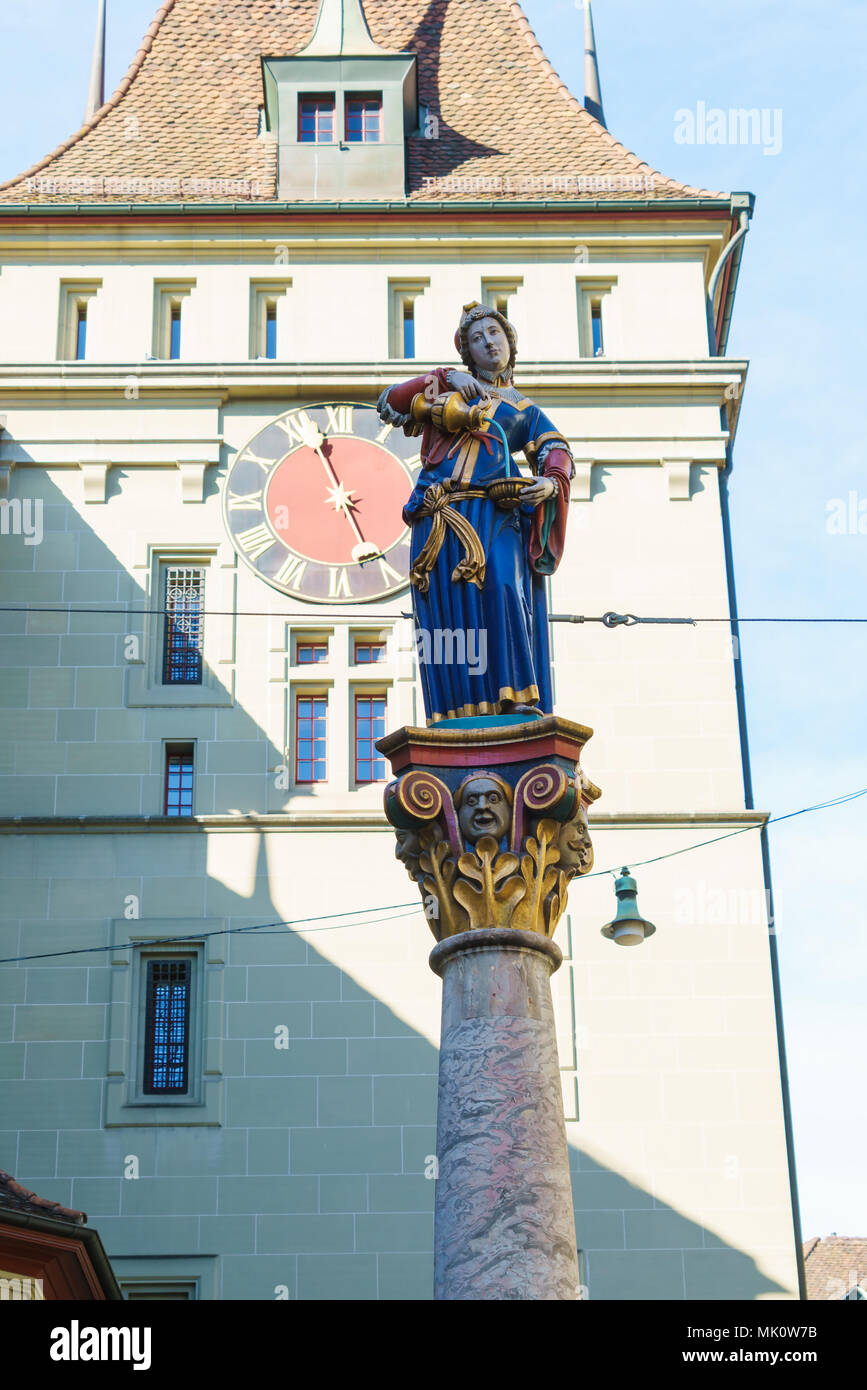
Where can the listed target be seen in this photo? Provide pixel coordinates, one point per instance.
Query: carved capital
(491, 839)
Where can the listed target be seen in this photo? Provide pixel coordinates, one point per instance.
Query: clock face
(313, 503)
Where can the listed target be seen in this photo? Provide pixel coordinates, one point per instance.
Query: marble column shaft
(504, 1221)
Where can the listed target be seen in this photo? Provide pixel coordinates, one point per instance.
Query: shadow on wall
(314, 1184)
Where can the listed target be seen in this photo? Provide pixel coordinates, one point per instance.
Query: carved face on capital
(576, 851)
(408, 847)
(484, 809)
(488, 345)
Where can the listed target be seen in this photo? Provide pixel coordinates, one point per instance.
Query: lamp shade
(628, 927)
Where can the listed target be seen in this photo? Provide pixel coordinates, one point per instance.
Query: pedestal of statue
(491, 822)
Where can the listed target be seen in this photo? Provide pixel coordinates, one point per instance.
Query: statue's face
(576, 851)
(488, 345)
(484, 810)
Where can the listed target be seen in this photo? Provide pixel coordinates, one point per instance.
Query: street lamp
(628, 928)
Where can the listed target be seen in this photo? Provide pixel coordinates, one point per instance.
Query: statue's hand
(467, 386)
(539, 491)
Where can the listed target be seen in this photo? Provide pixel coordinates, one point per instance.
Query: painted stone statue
(484, 538)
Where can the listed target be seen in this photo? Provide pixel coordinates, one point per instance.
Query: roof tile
(187, 110)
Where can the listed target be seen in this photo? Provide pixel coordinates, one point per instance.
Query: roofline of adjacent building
(88, 1235)
(729, 204)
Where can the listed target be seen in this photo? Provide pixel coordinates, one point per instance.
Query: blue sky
(800, 442)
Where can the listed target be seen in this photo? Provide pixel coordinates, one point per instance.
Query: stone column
(504, 1222)
(491, 822)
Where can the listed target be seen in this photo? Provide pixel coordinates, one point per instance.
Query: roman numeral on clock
(266, 464)
(338, 419)
(291, 572)
(255, 541)
(389, 575)
(248, 501)
(296, 427)
(338, 584)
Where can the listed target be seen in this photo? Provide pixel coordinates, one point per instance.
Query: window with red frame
(369, 726)
(316, 120)
(368, 652)
(179, 780)
(311, 738)
(364, 119)
(310, 653)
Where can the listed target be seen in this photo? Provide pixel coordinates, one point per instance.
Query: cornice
(290, 821)
(701, 377)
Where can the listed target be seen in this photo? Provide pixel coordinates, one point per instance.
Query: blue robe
(480, 647)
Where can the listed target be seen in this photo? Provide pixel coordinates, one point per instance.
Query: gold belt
(436, 503)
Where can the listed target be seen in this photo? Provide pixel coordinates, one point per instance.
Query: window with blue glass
(167, 1027)
(316, 119)
(184, 601)
(364, 118)
(366, 653)
(596, 325)
(271, 330)
(179, 779)
(408, 328)
(175, 333)
(311, 653)
(81, 333)
(311, 738)
(369, 726)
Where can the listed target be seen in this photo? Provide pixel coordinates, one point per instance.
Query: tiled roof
(184, 121)
(14, 1197)
(835, 1264)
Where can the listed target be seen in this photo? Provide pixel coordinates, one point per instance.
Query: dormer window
(364, 118)
(342, 108)
(316, 119)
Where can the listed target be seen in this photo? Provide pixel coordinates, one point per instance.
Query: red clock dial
(313, 503)
(336, 502)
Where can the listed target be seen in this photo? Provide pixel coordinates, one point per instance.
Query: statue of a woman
(483, 538)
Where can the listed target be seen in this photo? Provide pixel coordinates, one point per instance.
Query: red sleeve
(400, 396)
(548, 535)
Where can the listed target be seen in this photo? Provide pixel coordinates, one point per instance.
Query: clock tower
(219, 969)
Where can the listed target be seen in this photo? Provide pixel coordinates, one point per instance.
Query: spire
(96, 95)
(341, 30)
(592, 91)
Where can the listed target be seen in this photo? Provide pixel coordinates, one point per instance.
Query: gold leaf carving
(540, 876)
(440, 870)
(489, 888)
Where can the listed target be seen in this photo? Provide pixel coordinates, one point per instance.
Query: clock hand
(313, 437)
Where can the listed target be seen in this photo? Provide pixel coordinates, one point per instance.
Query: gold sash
(436, 503)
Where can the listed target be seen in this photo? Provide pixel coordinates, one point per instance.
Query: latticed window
(311, 738)
(179, 779)
(369, 726)
(167, 1027)
(364, 119)
(184, 608)
(316, 120)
